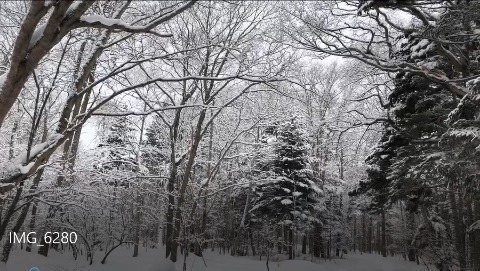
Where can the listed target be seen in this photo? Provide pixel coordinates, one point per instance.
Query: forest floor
(121, 260)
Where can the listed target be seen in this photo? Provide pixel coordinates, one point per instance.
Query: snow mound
(162, 265)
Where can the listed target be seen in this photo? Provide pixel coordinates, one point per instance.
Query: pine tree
(379, 161)
(405, 164)
(288, 180)
(420, 113)
(287, 190)
(154, 147)
(118, 151)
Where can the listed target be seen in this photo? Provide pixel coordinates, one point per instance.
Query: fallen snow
(153, 260)
(161, 265)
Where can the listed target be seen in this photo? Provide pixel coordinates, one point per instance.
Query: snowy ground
(121, 260)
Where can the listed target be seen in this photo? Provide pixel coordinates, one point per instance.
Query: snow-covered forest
(240, 135)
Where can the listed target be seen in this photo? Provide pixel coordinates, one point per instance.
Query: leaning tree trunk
(184, 183)
(37, 180)
(11, 210)
(21, 219)
(26, 56)
(203, 229)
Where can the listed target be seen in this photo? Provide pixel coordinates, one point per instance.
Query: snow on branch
(149, 112)
(475, 226)
(22, 166)
(2, 78)
(179, 79)
(100, 21)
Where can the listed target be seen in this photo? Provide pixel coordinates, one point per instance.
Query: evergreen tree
(154, 147)
(288, 181)
(287, 191)
(420, 113)
(379, 161)
(118, 152)
(406, 165)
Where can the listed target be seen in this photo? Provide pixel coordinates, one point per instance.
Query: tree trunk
(370, 234)
(33, 217)
(203, 227)
(21, 219)
(364, 233)
(252, 245)
(173, 134)
(36, 181)
(329, 243)
(12, 137)
(185, 179)
(459, 229)
(138, 197)
(24, 57)
(44, 246)
(304, 244)
(8, 216)
(384, 235)
(475, 253)
(137, 225)
(337, 245)
(411, 228)
(354, 239)
(290, 243)
(279, 242)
